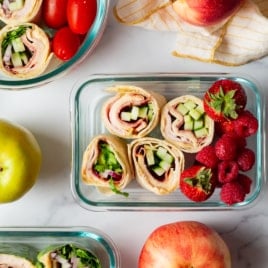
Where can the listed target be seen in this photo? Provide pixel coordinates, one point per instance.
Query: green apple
(20, 161)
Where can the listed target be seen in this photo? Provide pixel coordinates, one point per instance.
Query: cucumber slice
(143, 112)
(16, 59)
(125, 116)
(150, 114)
(158, 171)
(198, 124)
(189, 125)
(202, 132)
(182, 109)
(195, 114)
(200, 109)
(149, 156)
(161, 152)
(134, 112)
(206, 121)
(150, 105)
(18, 45)
(24, 58)
(187, 118)
(168, 158)
(165, 165)
(164, 155)
(190, 105)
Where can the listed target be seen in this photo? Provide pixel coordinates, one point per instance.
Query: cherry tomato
(54, 13)
(81, 15)
(65, 43)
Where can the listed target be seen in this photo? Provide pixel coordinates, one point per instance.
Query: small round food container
(56, 67)
(34, 241)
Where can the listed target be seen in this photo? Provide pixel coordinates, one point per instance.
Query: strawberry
(198, 183)
(207, 156)
(224, 100)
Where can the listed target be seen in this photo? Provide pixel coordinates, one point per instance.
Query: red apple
(184, 244)
(206, 12)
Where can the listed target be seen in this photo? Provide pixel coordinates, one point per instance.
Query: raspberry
(245, 181)
(207, 156)
(232, 192)
(241, 142)
(246, 124)
(226, 148)
(227, 171)
(246, 159)
(224, 127)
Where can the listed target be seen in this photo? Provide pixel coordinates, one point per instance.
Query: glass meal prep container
(38, 238)
(56, 67)
(86, 102)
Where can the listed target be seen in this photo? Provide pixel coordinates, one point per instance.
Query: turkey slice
(126, 97)
(165, 183)
(101, 180)
(29, 12)
(172, 126)
(37, 47)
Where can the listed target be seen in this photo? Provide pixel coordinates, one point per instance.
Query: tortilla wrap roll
(25, 50)
(185, 124)
(67, 256)
(158, 164)
(105, 164)
(17, 256)
(133, 112)
(18, 11)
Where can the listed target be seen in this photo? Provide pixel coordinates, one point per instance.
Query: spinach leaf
(16, 33)
(115, 190)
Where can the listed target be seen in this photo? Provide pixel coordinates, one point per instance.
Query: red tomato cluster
(72, 19)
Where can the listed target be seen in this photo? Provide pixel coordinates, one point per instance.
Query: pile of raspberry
(229, 157)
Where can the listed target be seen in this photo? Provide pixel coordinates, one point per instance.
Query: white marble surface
(45, 111)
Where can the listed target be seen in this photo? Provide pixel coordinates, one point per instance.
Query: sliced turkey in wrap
(106, 165)
(19, 11)
(25, 50)
(71, 256)
(17, 256)
(185, 124)
(133, 112)
(158, 164)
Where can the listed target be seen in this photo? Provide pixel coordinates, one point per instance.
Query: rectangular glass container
(39, 238)
(87, 99)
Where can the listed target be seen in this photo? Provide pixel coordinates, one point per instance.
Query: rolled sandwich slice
(106, 165)
(133, 112)
(25, 50)
(185, 124)
(17, 11)
(68, 255)
(17, 256)
(158, 164)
